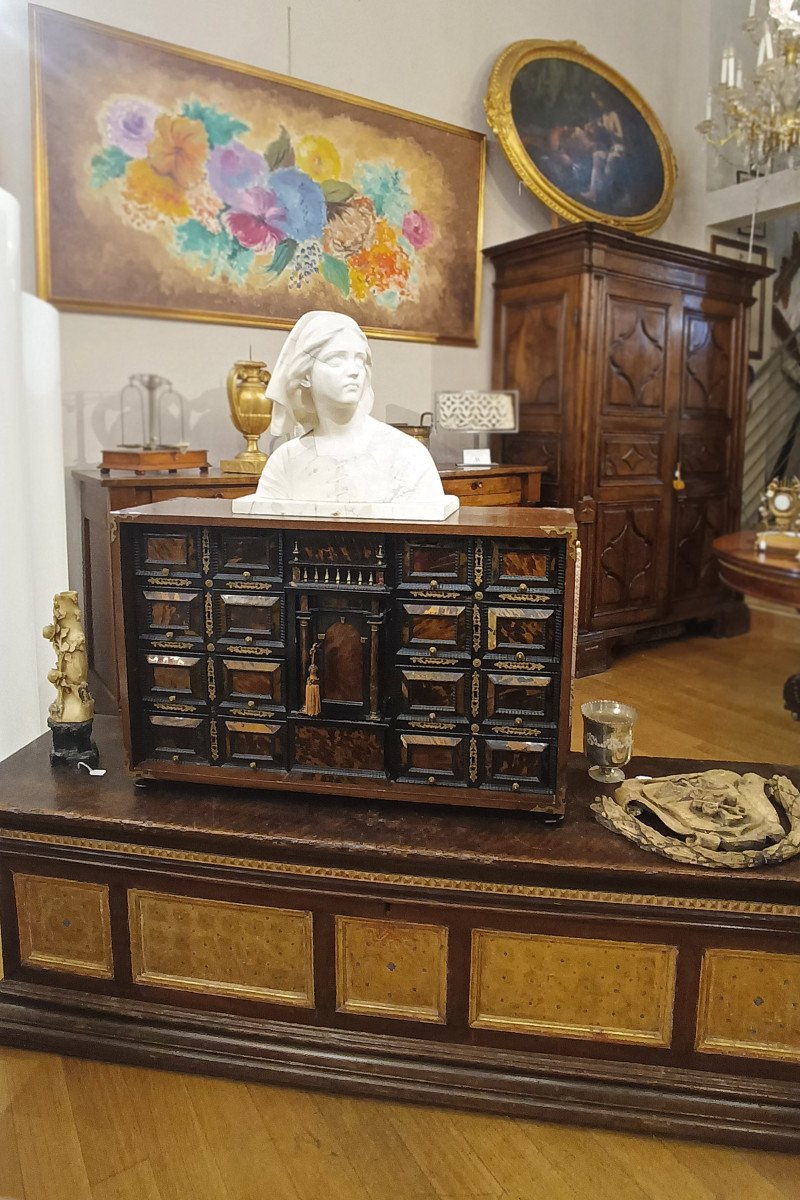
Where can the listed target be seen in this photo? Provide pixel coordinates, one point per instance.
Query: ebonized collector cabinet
(443, 652)
(630, 356)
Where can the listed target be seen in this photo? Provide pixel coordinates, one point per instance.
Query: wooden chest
(444, 652)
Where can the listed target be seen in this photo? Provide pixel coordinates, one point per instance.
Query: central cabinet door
(630, 448)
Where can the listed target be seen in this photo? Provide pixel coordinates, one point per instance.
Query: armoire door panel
(535, 347)
(707, 374)
(698, 520)
(625, 584)
(635, 351)
(631, 458)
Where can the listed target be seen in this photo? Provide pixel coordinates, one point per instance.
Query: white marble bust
(340, 461)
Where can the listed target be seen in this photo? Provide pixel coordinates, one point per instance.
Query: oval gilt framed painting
(580, 137)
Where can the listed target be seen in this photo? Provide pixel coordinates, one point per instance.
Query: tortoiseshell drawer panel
(444, 626)
(520, 698)
(251, 683)
(164, 551)
(522, 631)
(250, 618)
(338, 747)
(434, 564)
(176, 738)
(170, 613)
(253, 744)
(250, 555)
(522, 566)
(517, 764)
(173, 677)
(433, 757)
(434, 693)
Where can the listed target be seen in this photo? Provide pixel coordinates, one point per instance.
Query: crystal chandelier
(760, 114)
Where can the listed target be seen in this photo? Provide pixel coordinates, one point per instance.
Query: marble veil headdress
(293, 403)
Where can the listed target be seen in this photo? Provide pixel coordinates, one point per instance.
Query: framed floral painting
(173, 184)
(580, 137)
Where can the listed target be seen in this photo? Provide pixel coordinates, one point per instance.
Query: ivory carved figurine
(339, 460)
(72, 710)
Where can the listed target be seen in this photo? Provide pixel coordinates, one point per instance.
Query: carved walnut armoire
(630, 357)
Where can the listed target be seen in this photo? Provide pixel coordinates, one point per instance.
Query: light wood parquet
(78, 1130)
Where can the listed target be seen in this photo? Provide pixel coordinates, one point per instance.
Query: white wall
(430, 56)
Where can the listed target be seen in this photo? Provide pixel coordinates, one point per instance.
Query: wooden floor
(76, 1130)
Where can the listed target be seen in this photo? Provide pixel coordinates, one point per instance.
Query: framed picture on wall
(730, 248)
(580, 137)
(175, 184)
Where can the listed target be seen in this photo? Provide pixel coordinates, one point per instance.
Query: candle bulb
(752, 8)
(724, 75)
(762, 50)
(739, 76)
(708, 107)
(770, 50)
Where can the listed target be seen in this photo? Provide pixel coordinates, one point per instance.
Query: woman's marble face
(339, 375)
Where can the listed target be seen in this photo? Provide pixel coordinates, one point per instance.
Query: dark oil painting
(586, 137)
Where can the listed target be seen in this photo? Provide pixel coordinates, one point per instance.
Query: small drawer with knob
(242, 556)
(435, 568)
(251, 686)
(517, 764)
(521, 633)
(164, 553)
(431, 696)
(518, 702)
(172, 680)
(252, 745)
(175, 737)
(432, 758)
(525, 570)
(434, 630)
(252, 622)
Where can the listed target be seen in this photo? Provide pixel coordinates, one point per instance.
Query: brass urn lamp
(251, 413)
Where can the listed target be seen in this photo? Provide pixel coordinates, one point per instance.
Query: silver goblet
(608, 738)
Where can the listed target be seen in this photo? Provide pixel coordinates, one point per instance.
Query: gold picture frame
(580, 137)
(175, 184)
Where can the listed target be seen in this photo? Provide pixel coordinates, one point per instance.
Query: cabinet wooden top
(591, 242)
(466, 522)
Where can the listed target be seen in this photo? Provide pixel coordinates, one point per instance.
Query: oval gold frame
(497, 103)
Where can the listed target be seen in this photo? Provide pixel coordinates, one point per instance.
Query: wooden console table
(771, 576)
(102, 494)
(475, 959)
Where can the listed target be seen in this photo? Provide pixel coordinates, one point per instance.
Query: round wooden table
(769, 575)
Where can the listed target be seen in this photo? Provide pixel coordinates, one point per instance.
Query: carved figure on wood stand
(72, 710)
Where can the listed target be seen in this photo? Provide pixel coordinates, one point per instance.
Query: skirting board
(643, 1099)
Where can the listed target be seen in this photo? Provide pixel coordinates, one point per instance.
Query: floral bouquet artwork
(204, 190)
(189, 179)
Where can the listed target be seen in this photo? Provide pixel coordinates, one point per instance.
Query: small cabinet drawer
(442, 626)
(519, 567)
(433, 565)
(522, 632)
(520, 699)
(433, 758)
(173, 677)
(518, 764)
(432, 694)
(254, 744)
(249, 619)
(485, 490)
(251, 684)
(176, 738)
(253, 555)
(168, 551)
(169, 613)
